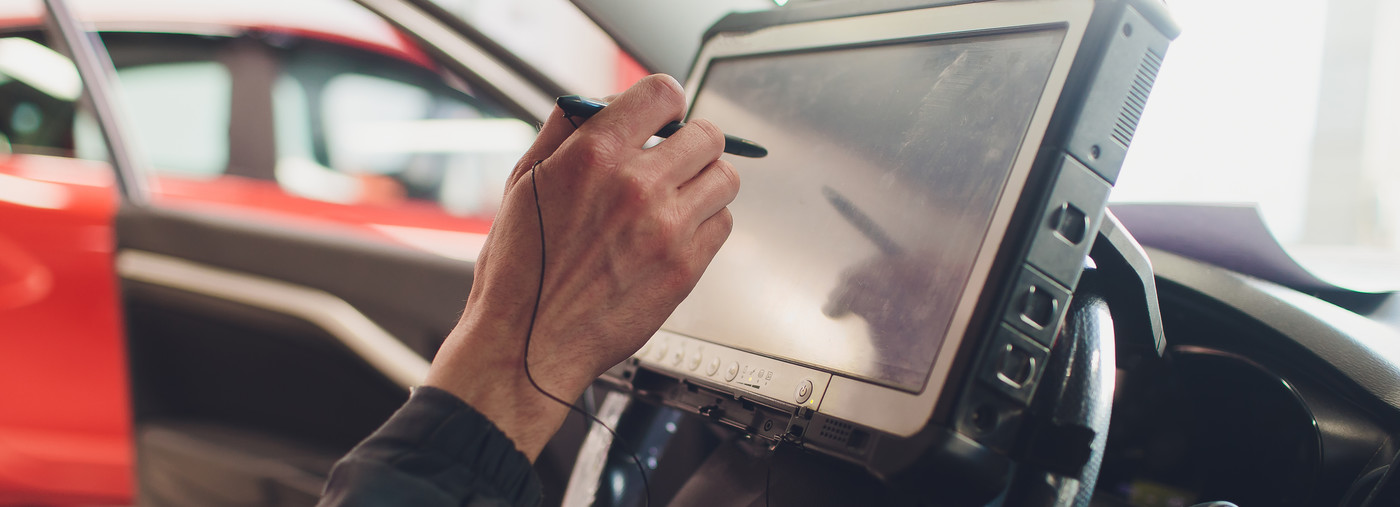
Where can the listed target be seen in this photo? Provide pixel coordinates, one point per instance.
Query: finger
(711, 235)
(555, 130)
(710, 191)
(690, 150)
(640, 111)
(838, 304)
(843, 300)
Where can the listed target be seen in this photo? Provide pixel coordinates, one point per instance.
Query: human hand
(628, 232)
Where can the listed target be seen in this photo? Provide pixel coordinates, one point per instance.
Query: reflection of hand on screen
(896, 295)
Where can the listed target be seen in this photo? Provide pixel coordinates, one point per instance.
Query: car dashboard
(1265, 396)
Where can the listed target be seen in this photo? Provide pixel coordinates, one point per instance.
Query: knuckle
(599, 149)
(717, 231)
(729, 178)
(665, 91)
(665, 233)
(634, 191)
(669, 231)
(683, 271)
(713, 137)
(687, 273)
(519, 170)
(726, 220)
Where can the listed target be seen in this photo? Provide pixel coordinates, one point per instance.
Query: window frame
(97, 73)
(522, 90)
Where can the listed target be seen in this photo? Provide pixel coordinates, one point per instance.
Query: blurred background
(1289, 105)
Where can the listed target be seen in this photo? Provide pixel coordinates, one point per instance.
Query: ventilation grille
(836, 430)
(1137, 98)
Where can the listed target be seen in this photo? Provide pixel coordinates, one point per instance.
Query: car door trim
(340, 319)
(95, 68)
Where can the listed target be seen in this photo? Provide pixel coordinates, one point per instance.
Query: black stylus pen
(575, 106)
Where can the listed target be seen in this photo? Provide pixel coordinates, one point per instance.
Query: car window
(433, 146)
(182, 110)
(314, 117)
(1295, 111)
(39, 91)
(353, 132)
(359, 110)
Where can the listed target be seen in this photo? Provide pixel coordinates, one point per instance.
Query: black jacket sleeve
(435, 451)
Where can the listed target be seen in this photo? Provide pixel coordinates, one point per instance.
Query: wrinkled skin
(628, 232)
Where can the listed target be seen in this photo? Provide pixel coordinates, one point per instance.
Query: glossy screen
(854, 239)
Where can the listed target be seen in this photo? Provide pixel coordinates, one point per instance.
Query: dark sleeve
(435, 451)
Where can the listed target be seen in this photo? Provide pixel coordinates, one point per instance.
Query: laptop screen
(855, 237)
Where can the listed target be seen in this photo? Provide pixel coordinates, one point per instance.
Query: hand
(628, 232)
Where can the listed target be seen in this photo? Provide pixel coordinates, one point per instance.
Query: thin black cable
(530, 332)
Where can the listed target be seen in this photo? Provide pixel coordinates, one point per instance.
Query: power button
(804, 391)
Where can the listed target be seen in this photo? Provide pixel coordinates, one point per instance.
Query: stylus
(862, 222)
(575, 106)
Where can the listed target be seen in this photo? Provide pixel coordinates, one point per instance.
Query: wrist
(482, 362)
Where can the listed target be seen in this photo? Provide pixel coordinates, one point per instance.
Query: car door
(273, 328)
(266, 328)
(65, 418)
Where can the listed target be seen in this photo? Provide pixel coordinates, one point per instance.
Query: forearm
(435, 451)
